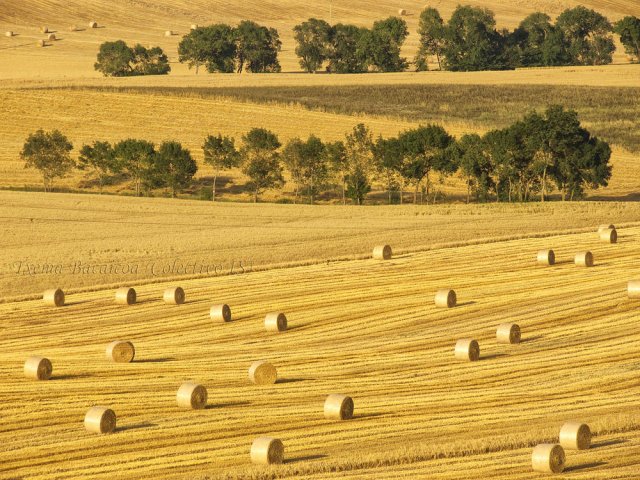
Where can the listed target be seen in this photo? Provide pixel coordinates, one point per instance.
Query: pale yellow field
(363, 327)
(111, 232)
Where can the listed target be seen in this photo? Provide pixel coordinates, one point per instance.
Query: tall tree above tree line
(587, 36)
(433, 37)
(49, 152)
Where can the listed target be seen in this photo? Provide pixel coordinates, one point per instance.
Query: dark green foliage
(117, 59)
(257, 48)
(433, 37)
(213, 46)
(137, 159)
(629, 30)
(587, 36)
(312, 37)
(99, 159)
(220, 152)
(48, 152)
(174, 167)
(358, 185)
(343, 49)
(261, 161)
(308, 164)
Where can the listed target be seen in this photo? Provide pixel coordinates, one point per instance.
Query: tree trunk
(415, 194)
(213, 188)
(44, 183)
(543, 191)
(344, 193)
(439, 64)
(468, 189)
(255, 196)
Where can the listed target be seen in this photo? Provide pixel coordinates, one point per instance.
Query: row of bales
(546, 458)
(190, 395)
(51, 35)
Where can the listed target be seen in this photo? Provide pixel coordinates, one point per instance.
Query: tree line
(468, 41)
(531, 157)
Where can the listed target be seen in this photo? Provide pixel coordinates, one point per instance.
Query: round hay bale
(192, 395)
(125, 296)
(610, 235)
(194, 26)
(606, 227)
(633, 289)
(220, 313)
(121, 352)
(338, 407)
(575, 436)
(446, 299)
(267, 451)
(168, 33)
(100, 420)
(548, 458)
(93, 24)
(584, 259)
(38, 368)
(174, 296)
(546, 257)
(51, 36)
(467, 349)
(55, 296)
(382, 252)
(42, 43)
(8, 34)
(44, 29)
(262, 373)
(508, 333)
(402, 12)
(275, 322)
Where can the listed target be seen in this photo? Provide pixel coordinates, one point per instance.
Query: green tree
(587, 36)
(380, 47)
(312, 39)
(388, 157)
(475, 166)
(473, 42)
(426, 149)
(136, 158)
(48, 152)
(433, 36)
(358, 185)
(220, 152)
(535, 36)
(261, 161)
(213, 46)
(338, 165)
(314, 166)
(629, 30)
(257, 48)
(343, 49)
(99, 159)
(359, 162)
(292, 158)
(151, 61)
(175, 167)
(115, 59)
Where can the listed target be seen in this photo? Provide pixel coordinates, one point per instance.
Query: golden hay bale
(267, 451)
(275, 322)
(168, 33)
(125, 296)
(8, 34)
(174, 296)
(606, 227)
(51, 36)
(548, 458)
(508, 333)
(584, 259)
(220, 313)
(263, 373)
(402, 12)
(610, 235)
(446, 299)
(194, 26)
(100, 420)
(121, 352)
(467, 349)
(44, 29)
(192, 395)
(575, 436)
(55, 296)
(382, 252)
(38, 368)
(93, 24)
(546, 257)
(338, 407)
(42, 43)
(633, 288)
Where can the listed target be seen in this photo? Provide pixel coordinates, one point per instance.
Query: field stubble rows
(364, 328)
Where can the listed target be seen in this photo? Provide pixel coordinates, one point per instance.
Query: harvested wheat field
(364, 328)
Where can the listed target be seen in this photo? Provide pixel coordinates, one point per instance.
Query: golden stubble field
(365, 328)
(79, 241)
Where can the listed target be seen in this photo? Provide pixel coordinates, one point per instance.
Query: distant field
(364, 328)
(78, 231)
